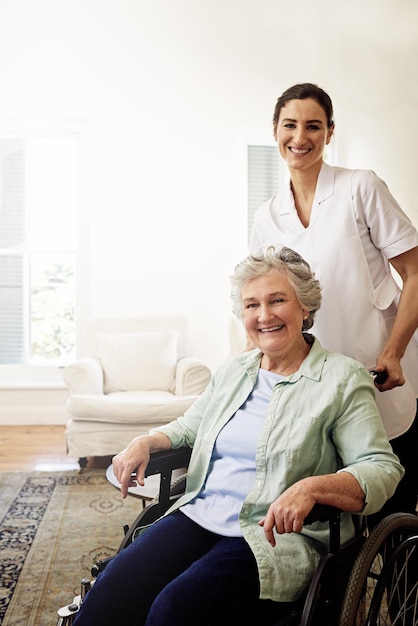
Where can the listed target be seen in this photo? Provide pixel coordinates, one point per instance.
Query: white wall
(165, 86)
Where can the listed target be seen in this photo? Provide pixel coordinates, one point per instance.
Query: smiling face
(302, 133)
(272, 316)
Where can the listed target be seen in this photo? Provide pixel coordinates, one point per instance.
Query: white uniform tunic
(355, 227)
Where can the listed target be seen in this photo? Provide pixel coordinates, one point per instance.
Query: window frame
(50, 376)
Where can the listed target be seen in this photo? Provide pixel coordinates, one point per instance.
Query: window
(40, 171)
(263, 166)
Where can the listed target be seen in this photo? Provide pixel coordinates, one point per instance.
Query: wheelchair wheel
(381, 587)
(396, 594)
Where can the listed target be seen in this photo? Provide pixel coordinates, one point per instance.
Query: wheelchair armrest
(168, 460)
(322, 513)
(164, 463)
(326, 513)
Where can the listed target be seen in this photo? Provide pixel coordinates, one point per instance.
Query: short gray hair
(299, 274)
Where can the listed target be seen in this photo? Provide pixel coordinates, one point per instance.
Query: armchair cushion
(129, 407)
(138, 361)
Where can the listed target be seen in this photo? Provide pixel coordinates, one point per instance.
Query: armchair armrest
(192, 377)
(84, 376)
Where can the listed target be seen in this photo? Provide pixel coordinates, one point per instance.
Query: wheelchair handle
(379, 377)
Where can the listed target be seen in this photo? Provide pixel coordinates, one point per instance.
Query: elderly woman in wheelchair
(279, 429)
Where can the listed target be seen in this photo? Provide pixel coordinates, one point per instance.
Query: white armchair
(137, 373)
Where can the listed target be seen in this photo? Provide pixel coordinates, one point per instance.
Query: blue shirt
(232, 472)
(321, 419)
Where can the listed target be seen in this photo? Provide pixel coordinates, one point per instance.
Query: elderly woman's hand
(288, 512)
(132, 460)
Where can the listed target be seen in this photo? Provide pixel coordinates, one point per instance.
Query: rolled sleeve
(363, 444)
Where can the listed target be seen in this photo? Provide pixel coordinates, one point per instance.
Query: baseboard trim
(32, 416)
(32, 407)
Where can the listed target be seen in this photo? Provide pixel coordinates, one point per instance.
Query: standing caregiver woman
(350, 229)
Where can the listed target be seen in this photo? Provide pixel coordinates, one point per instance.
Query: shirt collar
(311, 366)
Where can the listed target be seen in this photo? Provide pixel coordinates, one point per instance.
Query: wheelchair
(372, 580)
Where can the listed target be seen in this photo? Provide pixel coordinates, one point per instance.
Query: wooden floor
(38, 448)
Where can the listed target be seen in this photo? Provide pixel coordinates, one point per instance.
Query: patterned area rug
(53, 527)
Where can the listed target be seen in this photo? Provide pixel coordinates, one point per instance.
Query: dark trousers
(176, 574)
(405, 497)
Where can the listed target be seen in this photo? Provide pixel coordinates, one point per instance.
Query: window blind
(263, 164)
(12, 234)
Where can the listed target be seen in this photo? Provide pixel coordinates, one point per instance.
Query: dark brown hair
(302, 91)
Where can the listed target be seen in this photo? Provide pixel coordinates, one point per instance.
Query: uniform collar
(325, 184)
(324, 189)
